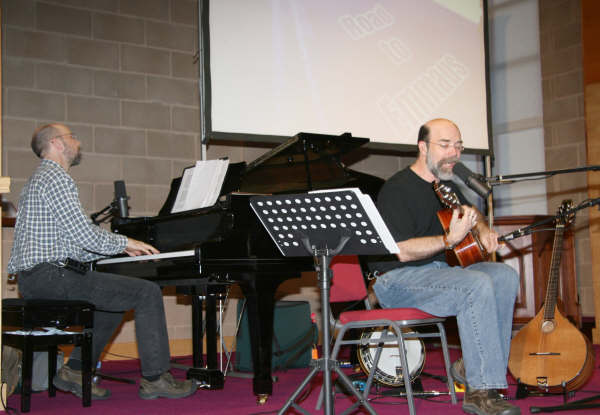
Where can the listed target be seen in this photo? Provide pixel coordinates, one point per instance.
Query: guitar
(470, 250)
(549, 350)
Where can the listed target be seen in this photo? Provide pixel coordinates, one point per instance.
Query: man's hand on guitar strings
(460, 225)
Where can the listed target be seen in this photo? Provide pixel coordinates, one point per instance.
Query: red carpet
(237, 398)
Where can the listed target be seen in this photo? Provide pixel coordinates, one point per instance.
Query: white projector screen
(375, 68)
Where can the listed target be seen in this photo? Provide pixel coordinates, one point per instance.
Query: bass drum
(389, 369)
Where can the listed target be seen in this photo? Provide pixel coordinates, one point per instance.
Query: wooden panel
(590, 29)
(530, 255)
(590, 33)
(592, 127)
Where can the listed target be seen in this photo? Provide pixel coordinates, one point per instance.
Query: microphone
(473, 180)
(512, 235)
(121, 198)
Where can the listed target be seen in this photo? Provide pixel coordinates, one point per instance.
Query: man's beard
(77, 159)
(74, 159)
(437, 168)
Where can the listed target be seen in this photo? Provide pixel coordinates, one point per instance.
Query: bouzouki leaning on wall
(470, 250)
(549, 352)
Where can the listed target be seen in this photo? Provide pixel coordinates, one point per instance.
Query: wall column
(591, 79)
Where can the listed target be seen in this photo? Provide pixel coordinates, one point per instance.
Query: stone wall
(123, 76)
(564, 124)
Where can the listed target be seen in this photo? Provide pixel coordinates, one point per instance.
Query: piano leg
(210, 377)
(197, 349)
(211, 326)
(260, 304)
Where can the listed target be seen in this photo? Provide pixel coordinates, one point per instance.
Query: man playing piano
(481, 296)
(52, 240)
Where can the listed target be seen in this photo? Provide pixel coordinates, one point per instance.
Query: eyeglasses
(66, 135)
(445, 146)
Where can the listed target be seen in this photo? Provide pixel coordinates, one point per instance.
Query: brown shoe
(458, 372)
(69, 380)
(166, 387)
(487, 402)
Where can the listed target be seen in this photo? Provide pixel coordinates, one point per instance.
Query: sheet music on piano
(200, 185)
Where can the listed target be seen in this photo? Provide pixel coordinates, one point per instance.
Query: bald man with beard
(481, 295)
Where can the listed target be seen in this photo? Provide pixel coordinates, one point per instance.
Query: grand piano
(204, 250)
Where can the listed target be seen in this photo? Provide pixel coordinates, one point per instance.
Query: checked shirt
(52, 226)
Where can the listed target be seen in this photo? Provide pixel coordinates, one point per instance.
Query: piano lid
(305, 162)
(308, 146)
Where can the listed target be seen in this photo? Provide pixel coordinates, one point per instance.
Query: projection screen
(374, 68)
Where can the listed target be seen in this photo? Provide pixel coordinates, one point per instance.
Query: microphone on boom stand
(120, 208)
(473, 180)
(121, 199)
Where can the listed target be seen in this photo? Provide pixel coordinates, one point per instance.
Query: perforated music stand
(324, 224)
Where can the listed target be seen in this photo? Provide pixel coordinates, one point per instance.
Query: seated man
(52, 228)
(481, 296)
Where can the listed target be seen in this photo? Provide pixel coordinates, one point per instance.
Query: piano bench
(21, 323)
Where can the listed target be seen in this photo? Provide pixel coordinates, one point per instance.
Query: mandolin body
(544, 358)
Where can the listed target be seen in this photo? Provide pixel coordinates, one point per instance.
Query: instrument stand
(308, 225)
(524, 392)
(570, 406)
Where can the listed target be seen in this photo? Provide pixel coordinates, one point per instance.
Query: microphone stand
(500, 179)
(532, 228)
(512, 178)
(108, 212)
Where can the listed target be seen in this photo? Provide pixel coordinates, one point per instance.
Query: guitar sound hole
(548, 326)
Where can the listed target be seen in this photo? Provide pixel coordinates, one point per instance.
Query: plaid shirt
(51, 224)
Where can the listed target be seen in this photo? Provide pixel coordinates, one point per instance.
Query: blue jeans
(112, 295)
(482, 298)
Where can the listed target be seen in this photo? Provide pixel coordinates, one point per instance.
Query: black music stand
(324, 224)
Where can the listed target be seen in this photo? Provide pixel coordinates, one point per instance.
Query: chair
(348, 284)
(25, 317)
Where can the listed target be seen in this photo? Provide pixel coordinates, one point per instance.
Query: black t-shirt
(408, 205)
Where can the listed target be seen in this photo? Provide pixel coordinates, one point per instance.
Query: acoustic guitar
(549, 352)
(470, 250)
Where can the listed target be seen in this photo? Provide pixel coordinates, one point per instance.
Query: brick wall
(564, 123)
(122, 75)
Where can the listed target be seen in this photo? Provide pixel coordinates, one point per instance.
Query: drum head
(389, 367)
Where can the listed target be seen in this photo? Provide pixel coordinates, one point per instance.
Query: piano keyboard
(140, 258)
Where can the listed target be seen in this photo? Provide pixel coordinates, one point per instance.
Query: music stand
(324, 224)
